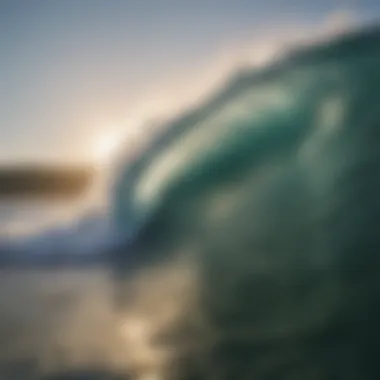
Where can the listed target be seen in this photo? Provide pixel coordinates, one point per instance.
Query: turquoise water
(270, 193)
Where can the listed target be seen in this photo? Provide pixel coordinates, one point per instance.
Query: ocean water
(28, 217)
(254, 227)
(264, 201)
(58, 321)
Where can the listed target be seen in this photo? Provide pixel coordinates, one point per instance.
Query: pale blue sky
(71, 68)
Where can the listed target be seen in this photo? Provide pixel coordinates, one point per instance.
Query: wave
(256, 111)
(251, 226)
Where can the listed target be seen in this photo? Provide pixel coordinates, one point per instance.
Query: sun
(105, 147)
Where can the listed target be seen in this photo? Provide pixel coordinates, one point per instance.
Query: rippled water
(57, 320)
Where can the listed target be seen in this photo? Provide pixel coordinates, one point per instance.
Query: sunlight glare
(106, 147)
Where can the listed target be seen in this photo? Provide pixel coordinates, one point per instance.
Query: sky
(76, 76)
